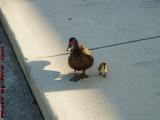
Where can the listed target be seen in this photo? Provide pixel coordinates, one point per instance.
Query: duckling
(80, 58)
(103, 69)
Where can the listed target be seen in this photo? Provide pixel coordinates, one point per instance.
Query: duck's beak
(69, 48)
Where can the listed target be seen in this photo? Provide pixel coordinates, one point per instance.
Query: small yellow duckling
(103, 69)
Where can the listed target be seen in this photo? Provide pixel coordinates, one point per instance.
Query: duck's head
(73, 43)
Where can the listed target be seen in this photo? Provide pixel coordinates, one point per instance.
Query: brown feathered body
(80, 59)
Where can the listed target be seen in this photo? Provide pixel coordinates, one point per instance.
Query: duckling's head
(102, 65)
(73, 43)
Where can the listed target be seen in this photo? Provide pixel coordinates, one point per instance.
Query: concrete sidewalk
(39, 28)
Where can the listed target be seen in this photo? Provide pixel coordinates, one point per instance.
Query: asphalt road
(19, 101)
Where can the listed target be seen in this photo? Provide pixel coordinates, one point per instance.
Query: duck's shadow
(49, 80)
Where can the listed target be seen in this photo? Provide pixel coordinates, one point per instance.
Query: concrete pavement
(40, 28)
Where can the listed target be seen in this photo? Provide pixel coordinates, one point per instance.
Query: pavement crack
(101, 47)
(122, 43)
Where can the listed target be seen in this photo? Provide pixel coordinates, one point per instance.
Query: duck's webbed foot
(83, 76)
(75, 78)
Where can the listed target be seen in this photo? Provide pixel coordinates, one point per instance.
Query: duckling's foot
(75, 78)
(100, 73)
(104, 75)
(83, 76)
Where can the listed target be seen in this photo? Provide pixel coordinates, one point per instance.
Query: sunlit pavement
(127, 31)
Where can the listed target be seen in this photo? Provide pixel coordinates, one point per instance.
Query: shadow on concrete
(50, 81)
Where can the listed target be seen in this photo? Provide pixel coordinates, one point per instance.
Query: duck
(103, 69)
(80, 58)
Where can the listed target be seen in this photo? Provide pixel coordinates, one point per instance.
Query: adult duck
(80, 58)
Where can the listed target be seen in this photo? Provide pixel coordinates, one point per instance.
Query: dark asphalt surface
(19, 101)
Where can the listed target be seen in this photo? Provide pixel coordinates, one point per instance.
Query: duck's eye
(72, 42)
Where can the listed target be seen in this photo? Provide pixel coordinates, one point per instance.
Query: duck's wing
(85, 50)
